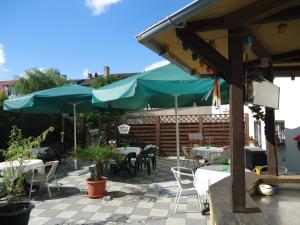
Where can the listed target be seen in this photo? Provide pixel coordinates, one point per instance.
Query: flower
(297, 138)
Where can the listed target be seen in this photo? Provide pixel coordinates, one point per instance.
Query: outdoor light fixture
(194, 56)
(213, 44)
(282, 28)
(184, 46)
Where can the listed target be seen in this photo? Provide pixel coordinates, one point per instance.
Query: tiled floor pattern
(131, 201)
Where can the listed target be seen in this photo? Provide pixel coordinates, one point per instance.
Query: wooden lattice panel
(160, 130)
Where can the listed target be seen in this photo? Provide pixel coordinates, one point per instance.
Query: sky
(78, 36)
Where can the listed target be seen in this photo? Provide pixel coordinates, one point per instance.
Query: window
(279, 132)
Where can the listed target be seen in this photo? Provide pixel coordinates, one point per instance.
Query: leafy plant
(36, 79)
(15, 155)
(258, 114)
(100, 155)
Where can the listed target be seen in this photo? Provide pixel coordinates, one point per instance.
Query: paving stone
(99, 216)
(66, 214)
(196, 221)
(175, 221)
(124, 210)
(61, 206)
(91, 208)
(108, 209)
(159, 212)
(141, 211)
(38, 220)
(50, 213)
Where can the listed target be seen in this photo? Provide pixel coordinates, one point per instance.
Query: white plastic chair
(282, 170)
(43, 177)
(185, 178)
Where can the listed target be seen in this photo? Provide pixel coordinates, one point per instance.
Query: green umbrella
(164, 87)
(70, 98)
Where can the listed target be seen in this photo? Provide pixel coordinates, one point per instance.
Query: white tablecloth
(40, 150)
(125, 151)
(208, 175)
(28, 165)
(210, 153)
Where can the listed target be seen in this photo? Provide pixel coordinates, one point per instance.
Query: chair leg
(49, 190)
(199, 202)
(30, 190)
(56, 183)
(177, 202)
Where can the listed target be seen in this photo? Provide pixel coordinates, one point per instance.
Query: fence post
(246, 129)
(201, 127)
(157, 131)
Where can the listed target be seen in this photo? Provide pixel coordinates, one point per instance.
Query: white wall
(289, 111)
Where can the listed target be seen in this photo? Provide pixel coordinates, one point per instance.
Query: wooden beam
(282, 57)
(235, 52)
(291, 13)
(206, 24)
(270, 131)
(286, 56)
(257, 48)
(257, 11)
(205, 52)
(217, 23)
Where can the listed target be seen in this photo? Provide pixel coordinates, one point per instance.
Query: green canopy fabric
(54, 100)
(157, 88)
(164, 87)
(70, 98)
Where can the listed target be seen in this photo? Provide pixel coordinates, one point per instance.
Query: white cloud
(156, 65)
(85, 73)
(100, 6)
(2, 55)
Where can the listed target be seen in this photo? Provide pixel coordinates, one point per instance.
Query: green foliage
(18, 150)
(102, 81)
(103, 120)
(2, 98)
(36, 80)
(100, 155)
(258, 114)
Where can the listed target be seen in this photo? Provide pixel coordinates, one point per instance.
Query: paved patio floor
(140, 199)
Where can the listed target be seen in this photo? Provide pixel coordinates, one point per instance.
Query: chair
(185, 179)
(195, 138)
(44, 177)
(153, 152)
(195, 159)
(145, 160)
(282, 170)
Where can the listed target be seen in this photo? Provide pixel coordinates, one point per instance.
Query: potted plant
(17, 211)
(100, 155)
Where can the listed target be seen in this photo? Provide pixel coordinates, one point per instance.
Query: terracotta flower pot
(96, 188)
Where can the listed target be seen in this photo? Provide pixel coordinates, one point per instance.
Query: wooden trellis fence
(160, 130)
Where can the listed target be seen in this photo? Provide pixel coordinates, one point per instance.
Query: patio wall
(160, 130)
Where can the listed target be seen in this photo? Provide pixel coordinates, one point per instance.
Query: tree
(101, 81)
(36, 80)
(104, 121)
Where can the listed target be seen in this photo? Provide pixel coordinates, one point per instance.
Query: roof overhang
(195, 38)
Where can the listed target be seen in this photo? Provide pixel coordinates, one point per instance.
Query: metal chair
(185, 178)
(200, 161)
(43, 177)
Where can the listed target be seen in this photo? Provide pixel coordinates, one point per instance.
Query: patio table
(28, 165)
(208, 175)
(210, 153)
(127, 150)
(40, 150)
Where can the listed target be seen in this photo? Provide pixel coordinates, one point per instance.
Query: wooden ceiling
(272, 28)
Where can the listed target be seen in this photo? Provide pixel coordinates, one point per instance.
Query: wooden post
(157, 131)
(246, 129)
(270, 130)
(236, 100)
(201, 127)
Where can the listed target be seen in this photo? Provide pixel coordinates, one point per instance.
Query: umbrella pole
(177, 129)
(75, 135)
